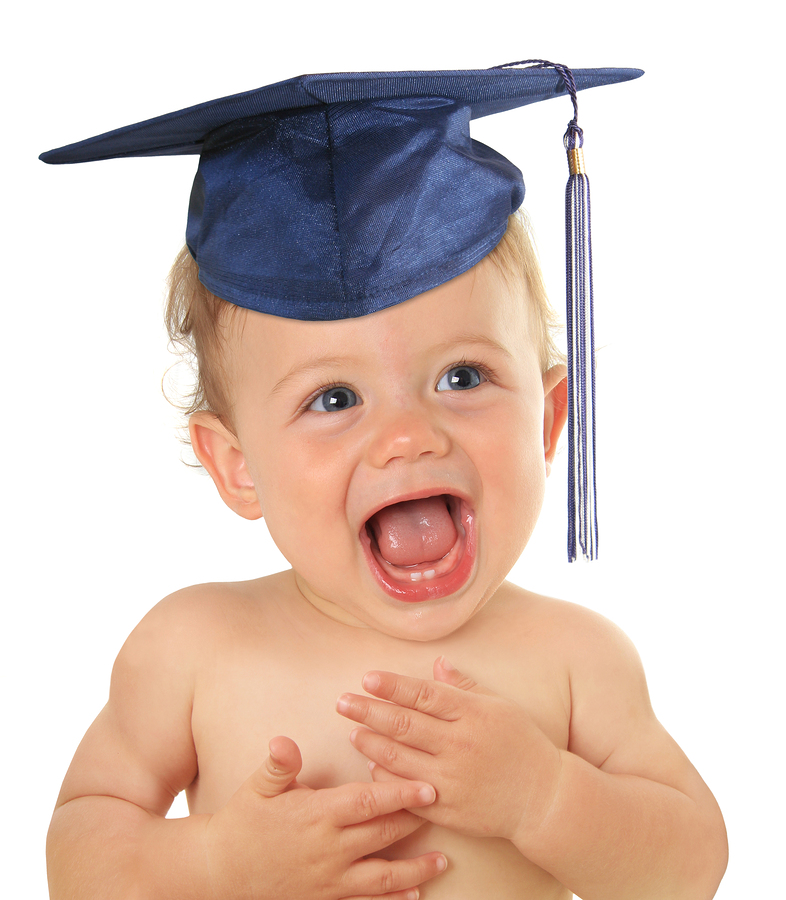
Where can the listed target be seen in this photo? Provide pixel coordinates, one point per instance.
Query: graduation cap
(335, 196)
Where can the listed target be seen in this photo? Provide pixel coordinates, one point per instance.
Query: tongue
(415, 531)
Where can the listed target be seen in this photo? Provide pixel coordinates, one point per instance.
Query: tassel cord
(582, 485)
(582, 507)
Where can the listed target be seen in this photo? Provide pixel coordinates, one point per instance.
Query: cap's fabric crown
(333, 196)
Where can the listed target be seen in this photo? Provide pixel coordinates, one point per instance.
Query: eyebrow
(317, 364)
(477, 340)
(321, 363)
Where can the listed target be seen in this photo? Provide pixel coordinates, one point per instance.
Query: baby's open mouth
(418, 548)
(412, 540)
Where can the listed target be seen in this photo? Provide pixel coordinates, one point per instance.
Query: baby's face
(398, 458)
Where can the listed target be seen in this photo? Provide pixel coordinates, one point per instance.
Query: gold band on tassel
(576, 161)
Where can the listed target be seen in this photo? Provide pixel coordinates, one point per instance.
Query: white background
(102, 517)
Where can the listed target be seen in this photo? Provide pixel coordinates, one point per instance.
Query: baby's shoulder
(568, 631)
(201, 619)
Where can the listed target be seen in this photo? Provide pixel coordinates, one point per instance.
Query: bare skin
(250, 660)
(512, 745)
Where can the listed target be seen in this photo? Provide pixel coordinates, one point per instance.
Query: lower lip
(435, 588)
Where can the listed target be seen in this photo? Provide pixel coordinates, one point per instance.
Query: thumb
(449, 674)
(280, 769)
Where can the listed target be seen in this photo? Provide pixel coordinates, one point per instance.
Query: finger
(447, 673)
(401, 760)
(416, 729)
(380, 773)
(370, 837)
(409, 894)
(351, 804)
(430, 697)
(382, 878)
(280, 768)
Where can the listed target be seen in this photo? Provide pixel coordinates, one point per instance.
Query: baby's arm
(109, 836)
(628, 800)
(620, 814)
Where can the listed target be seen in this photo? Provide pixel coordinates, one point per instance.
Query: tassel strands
(582, 502)
(582, 499)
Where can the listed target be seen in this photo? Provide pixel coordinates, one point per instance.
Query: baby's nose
(406, 435)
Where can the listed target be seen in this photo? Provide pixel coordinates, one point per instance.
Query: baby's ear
(555, 409)
(218, 450)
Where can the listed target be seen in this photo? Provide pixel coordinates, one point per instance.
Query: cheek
(514, 470)
(519, 483)
(302, 489)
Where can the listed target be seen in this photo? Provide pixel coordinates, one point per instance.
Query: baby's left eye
(335, 399)
(460, 378)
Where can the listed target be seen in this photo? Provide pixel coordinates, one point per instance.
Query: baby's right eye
(335, 399)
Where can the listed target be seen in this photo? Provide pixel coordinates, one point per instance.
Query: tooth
(430, 574)
(416, 576)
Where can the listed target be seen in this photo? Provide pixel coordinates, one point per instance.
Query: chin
(430, 619)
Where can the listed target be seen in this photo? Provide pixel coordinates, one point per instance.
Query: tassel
(582, 500)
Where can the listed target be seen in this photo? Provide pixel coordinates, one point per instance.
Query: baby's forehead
(479, 307)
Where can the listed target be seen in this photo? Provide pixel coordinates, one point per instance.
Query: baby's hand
(494, 770)
(277, 838)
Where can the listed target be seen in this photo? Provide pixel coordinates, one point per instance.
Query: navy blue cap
(333, 196)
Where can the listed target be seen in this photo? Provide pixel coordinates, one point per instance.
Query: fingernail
(353, 734)
(371, 681)
(342, 704)
(427, 794)
(442, 864)
(446, 665)
(413, 894)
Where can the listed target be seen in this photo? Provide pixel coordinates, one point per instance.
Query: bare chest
(254, 693)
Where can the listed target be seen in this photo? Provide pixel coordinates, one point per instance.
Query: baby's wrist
(538, 802)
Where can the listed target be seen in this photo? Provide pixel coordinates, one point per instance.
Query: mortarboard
(334, 196)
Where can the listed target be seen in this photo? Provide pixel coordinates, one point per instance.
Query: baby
(503, 744)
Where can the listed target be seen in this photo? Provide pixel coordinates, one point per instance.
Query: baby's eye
(460, 378)
(335, 399)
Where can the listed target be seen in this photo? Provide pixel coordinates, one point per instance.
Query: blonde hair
(197, 320)
(516, 256)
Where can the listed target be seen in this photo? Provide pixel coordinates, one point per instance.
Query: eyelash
(484, 370)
